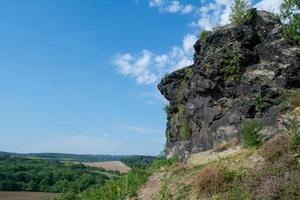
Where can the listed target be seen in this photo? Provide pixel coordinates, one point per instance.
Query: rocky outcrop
(239, 72)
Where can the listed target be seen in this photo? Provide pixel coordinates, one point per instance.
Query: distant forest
(131, 160)
(24, 174)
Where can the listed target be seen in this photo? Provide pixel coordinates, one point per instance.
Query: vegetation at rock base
(249, 133)
(290, 14)
(240, 12)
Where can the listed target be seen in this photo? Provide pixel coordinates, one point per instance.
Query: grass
(185, 130)
(249, 132)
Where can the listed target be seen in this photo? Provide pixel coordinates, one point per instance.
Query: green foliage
(120, 188)
(292, 29)
(189, 72)
(240, 12)
(286, 97)
(185, 130)
(162, 161)
(23, 174)
(138, 161)
(174, 119)
(180, 93)
(203, 35)
(258, 101)
(290, 13)
(294, 130)
(232, 66)
(249, 132)
(165, 194)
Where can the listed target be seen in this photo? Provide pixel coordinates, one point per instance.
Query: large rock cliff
(239, 72)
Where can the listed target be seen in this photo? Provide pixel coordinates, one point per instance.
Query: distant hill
(129, 160)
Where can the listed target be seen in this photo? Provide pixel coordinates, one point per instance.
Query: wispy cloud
(174, 6)
(143, 130)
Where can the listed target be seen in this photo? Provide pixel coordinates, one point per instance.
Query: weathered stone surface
(213, 98)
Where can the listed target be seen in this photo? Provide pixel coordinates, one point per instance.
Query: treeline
(131, 160)
(24, 174)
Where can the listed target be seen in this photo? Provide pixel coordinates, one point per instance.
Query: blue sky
(80, 76)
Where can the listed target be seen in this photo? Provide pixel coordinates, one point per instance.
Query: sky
(80, 76)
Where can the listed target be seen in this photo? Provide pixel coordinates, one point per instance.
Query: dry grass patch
(296, 102)
(210, 180)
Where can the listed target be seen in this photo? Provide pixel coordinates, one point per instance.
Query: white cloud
(137, 67)
(269, 5)
(188, 42)
(171, 6)
(212, 14)
(148, 67)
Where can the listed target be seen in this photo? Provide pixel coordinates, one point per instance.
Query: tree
(290, 13)
(240, 12)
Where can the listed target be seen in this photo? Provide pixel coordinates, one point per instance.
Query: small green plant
(174, 119)
(185, 131)
(180, 91)
(249, 133)
(290, 13)
(240, 12)
(162, 161)
(286, 97)
(232, 66)
(258, 101)
(189, 72)
(294, 129)
(203, 35)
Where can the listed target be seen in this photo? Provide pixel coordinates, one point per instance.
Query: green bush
(189, 72)
(249, 133)
(174, 119)
(122, 188)
(240, 12)
(232, 66)
(203, 35)
(290, 13)
(162, 162)
(185, 131)
(258, 101)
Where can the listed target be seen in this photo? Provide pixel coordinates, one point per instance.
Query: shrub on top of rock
(240, 12)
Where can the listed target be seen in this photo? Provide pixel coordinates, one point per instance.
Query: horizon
(80, 77)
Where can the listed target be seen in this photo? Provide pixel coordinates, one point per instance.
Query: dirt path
(151, 188)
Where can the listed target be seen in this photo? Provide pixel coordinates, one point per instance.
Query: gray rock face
(238, 73)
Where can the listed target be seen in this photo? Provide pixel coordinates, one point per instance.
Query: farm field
(27, 196)
(108, 165)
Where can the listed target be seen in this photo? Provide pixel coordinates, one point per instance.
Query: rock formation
(239, 72)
